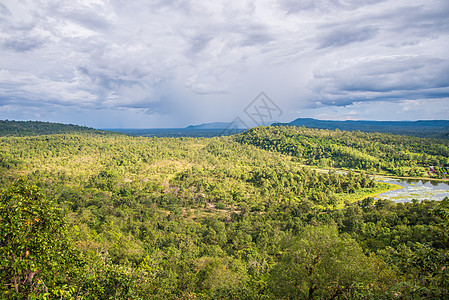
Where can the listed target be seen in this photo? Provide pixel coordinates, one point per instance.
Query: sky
(173, 63)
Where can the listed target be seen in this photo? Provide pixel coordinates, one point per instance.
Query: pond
(415, 189)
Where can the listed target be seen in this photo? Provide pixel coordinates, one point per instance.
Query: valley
(247, 216)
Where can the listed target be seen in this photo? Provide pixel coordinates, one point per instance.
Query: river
(415, 189)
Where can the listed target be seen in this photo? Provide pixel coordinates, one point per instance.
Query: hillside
(93, 216)
(213, 125)
(30, 128)
(422, 128)
(377, 153)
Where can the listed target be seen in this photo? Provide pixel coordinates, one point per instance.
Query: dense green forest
(423, 128)
(377, 153)
(28, 128)
(92, 216)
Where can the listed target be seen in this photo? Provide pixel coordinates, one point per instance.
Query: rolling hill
(32, 128)
(422, 128)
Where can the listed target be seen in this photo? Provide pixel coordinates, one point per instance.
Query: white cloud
(169, 58)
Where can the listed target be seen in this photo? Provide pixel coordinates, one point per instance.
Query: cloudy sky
(172, 63)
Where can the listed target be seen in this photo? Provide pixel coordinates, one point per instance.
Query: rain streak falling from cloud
(174, 63)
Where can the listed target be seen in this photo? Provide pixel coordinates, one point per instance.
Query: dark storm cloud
(398, 78)
(198, 44)
(293, 6)
(343, 36)
(23, 44)
(88, 19)
(180, 5)
(19, 36)
(256, 38)
(185, 57)
(252, 33)
(107, 81)
(4, 11)
(421, 19)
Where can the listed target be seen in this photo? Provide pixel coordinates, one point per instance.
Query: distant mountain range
(213, 125)
(421, 128)
(350, 124)
(237, 124)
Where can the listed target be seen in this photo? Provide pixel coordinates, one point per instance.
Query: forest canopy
(250, 216)
(27, 128)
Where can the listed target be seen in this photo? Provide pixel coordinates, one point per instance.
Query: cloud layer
(171, 63)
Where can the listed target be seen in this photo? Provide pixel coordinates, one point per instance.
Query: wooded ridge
(88, 215)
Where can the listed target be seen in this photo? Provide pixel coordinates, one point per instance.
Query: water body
(415, 189)
(411, 188)
(178, 132)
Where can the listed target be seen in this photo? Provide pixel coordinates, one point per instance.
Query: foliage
(218, 218)
(423, 128)
(373, 152)
(34, 249)
(320, 264)
(28, 128)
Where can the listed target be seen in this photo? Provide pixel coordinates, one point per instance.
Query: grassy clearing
(381, 187)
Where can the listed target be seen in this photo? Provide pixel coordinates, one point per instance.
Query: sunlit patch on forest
(272, 213)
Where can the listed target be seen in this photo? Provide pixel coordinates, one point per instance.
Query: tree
(423, 267)
(320, 264)
(34, 247)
